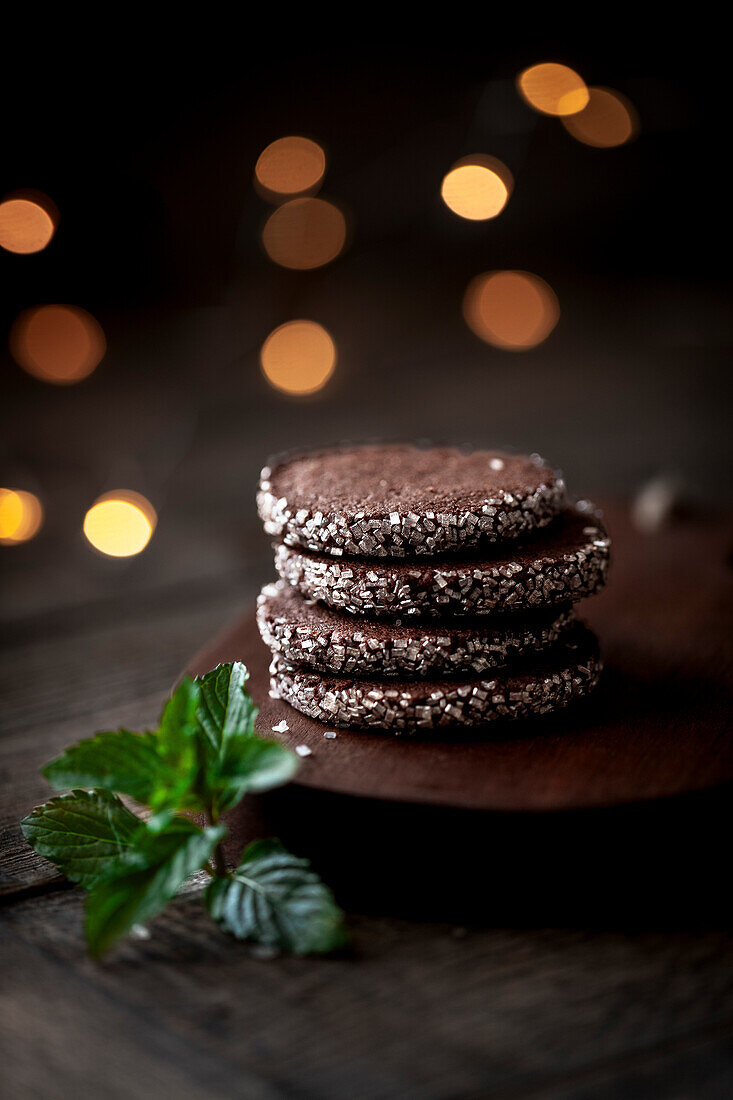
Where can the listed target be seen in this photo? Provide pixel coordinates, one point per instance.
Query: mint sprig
(203, 758)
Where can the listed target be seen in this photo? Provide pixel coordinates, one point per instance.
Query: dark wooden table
(591, 957)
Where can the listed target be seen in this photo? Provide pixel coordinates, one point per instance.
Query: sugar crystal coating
(310, 635)
(565, 673)
(397, 500)
(561, 566)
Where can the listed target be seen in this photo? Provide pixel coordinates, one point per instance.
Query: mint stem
(220, 864)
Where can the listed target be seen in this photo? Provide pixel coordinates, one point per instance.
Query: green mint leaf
(179, 715)
(249, 764)
(274, 898)
(116, 761)
(150, 875)
(179, 778)
(237, 759)
(85, 833)
(225, 709)
(160, 769)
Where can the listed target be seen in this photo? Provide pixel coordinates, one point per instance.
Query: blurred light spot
(290, 166)
(608, 120)
(298, 357)
(304, 233)
(655, 503)
(553, 89)
(120, 523)
(21, 516)
(60, 344)
(27, 222)
(477, 187)
(511, 309)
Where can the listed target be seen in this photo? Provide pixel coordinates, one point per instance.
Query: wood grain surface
(592, 957)
(658, 725)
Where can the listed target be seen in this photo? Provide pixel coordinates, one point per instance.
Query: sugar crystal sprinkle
(393, 534)
(455, 588)
(373, 705)
(303, 750)
(281, 727)
(429, 649)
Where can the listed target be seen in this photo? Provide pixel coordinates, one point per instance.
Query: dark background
(147, 145)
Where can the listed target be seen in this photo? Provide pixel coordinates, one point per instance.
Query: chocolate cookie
(560, 565)
(309, 635)
(562, 674)
(400, 501)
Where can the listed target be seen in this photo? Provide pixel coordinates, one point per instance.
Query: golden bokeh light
(304, 233)
(608, 120)
(477, 187)
(60, 344)
(290, 166)
(120, 523)
(553, 89)
(514, 310)
(298, 357)
(21, 516)
(26, 224)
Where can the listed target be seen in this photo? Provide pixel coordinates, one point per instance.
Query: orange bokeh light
(298, 357)
(60, 344)
(553, 89)
(290, 166)
(304, 233)
(513, 310)
(120, 523)
(608, 120)
(21, 516)
(27, 222)
(477, 187)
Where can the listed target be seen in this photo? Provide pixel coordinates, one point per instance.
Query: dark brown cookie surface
(311, 635)
(400, 500)
(560, 565)
(562, 674)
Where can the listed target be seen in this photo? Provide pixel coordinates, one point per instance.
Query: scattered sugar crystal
(281, 727)
(303, 750)
(330, 734)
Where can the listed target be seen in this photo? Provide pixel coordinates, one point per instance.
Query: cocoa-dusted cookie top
(310, 635)
(398, 500)
(558, 565)
(560, 675)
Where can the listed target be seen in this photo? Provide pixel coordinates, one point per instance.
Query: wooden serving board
(658, 726)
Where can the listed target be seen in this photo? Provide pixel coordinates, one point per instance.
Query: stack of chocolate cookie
(427, 587)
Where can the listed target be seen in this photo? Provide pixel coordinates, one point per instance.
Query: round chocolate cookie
(562, 674)
(561, 565)
(309, 635)
(397, 500)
